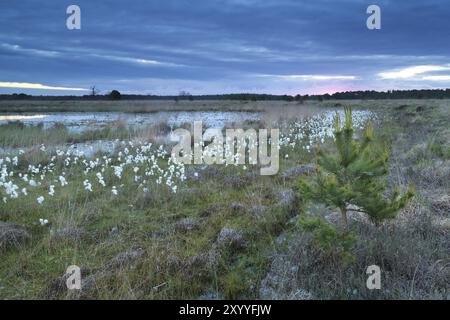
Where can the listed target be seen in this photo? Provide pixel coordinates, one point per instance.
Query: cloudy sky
(223, 46)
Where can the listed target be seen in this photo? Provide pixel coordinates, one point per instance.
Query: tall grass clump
(17, 134)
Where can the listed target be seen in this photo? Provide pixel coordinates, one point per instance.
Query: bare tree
(94, 91)
(184, 94)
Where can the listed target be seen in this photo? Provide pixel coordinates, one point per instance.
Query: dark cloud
(222, 46)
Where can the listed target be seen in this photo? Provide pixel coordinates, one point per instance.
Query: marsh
(142, 226)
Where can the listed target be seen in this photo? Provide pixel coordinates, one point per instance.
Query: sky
(223, 46)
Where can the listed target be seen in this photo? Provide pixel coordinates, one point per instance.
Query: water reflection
(22, 117)
(79, 121)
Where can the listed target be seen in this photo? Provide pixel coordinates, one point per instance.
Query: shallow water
(320, 125)
(79, 121)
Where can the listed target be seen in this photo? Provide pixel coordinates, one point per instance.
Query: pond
(78, 121)
(315, 126)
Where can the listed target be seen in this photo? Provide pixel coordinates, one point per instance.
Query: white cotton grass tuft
(40, 199)
(62, 181)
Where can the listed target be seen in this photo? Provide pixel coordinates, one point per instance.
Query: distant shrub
(115, 95)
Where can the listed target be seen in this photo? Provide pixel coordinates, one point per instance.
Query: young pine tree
(354, 176)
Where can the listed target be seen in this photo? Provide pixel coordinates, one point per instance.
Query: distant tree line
(348, 95)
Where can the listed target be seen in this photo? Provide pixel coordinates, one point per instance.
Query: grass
(412, 250)
(170, 259)
(272, 109)
(161, 259)
(18, 135)
(12, 106)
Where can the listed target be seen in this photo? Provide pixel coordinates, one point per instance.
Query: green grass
(187, 265)
(152, 106)
(19, 135)
(170, 257)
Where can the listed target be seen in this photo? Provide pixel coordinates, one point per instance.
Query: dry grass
(160, 245)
